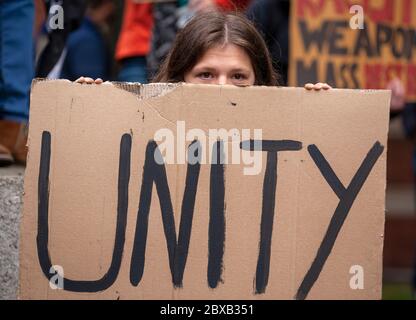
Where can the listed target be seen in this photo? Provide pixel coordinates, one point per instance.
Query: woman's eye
(205, 75)
(239, 76)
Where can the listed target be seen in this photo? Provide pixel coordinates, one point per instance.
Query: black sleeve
(271, 17)
(409, 120)
(74, 11)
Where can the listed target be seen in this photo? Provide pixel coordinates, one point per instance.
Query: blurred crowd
(119, 41)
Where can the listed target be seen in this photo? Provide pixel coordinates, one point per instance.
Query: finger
(398, 91)
(326, 86)
(400, 88)
(98, 81)
(395, 85)
(80, 80)
(309, 86)
(318, 86)
(89, 80)
(397, 82)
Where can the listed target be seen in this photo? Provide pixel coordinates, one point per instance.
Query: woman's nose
(222, 79)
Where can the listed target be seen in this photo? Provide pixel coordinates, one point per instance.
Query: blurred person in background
(149, 28)
(87, 49)
(134, 41)
(16, 73)
(64, 17)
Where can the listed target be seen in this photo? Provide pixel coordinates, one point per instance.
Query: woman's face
(227, 64)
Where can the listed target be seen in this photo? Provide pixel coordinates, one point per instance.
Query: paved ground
(11, 191)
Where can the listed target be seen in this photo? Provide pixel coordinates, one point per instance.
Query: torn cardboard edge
(142, 91)
(158, 89)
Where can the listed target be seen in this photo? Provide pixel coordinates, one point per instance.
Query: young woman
(219, 48)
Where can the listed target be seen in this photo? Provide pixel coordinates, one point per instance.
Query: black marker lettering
(216, 232)
(43, 224)
(177, 250)
(347, 197)
(269, 195)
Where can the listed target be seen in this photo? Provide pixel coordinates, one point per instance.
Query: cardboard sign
(353, 43)
(294, 209)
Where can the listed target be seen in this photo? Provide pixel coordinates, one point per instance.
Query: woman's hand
(87, 80)
(317, 86)
(398, 95)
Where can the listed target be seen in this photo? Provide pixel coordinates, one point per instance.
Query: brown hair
(211, 29)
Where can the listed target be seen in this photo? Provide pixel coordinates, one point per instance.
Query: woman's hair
(212, 29)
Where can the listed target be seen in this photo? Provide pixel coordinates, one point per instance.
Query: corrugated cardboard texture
(86, 124)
